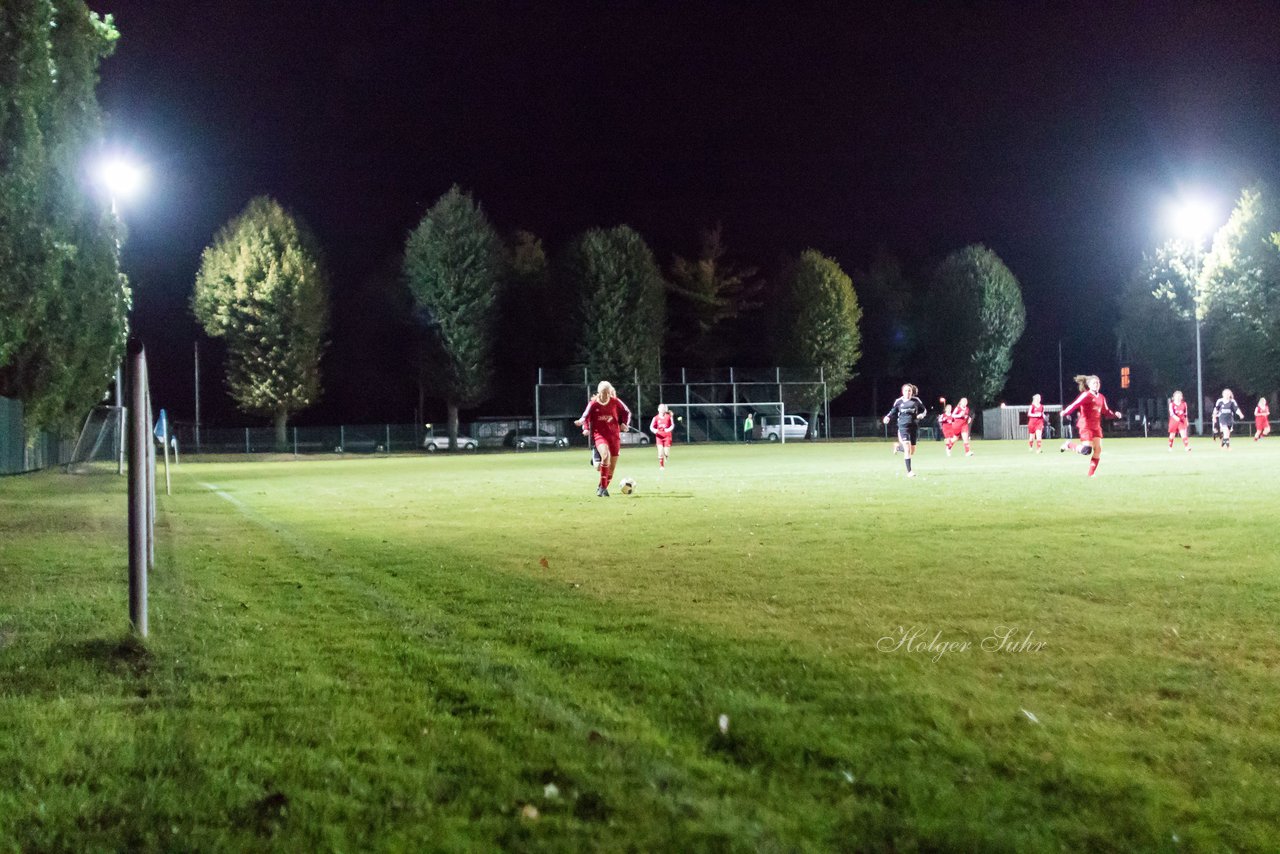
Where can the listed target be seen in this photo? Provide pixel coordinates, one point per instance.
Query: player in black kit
(908, 409)
(1225, 413)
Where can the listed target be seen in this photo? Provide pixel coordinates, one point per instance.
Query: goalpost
(100, 437)
(725, 422)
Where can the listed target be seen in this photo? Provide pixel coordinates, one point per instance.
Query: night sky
(1053, 133)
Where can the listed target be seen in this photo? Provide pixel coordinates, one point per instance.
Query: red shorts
(1035, 425)
(1261, 422)
(613, 442)
(662, 441)
(951, 430)
(1176, 427)
(1087, 433)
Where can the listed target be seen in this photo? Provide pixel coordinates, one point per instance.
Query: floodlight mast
(1193, 220)
(122, 179)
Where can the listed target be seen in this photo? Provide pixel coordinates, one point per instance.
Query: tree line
(603, 302)
(63, 300)
(1233, 284)
(471, 296)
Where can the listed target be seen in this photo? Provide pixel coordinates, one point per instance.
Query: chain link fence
(24, 450)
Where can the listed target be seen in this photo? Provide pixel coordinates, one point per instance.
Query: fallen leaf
(529, 812)
(543, 563)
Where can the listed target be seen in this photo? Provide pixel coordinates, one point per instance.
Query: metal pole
(197, 397)
(688, 413)
(537, 411)
(734, 383)
(1199, 373)
(826, 408)
(295, 443)
(168, 484)
(639, 396)
(782, 425)
(137, 442)
(120, 423)
(388, 440)
(151, 472)
(1062, 402)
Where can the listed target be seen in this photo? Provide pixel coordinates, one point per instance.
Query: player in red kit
(1090, 407)
(1261, 419)
(961, 418)
(605, 417)
(1178, 420)
(1035, 423)
(948, 425)
(663, 427)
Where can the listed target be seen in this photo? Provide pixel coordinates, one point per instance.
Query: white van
(794, 427)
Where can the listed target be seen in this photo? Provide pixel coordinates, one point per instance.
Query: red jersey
(1092, 407)
(606, 420)
(960, 414)
(1261, 411)
(1035, 412)
(662, 425)
(1177, 411)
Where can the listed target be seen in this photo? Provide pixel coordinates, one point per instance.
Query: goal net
(99, 440)
(753, 421)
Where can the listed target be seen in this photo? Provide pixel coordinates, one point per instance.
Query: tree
(889, 328)
(709, 292)
(1156, 328)
(63, 302)
(262, 286)
(536, 326)
(452, 264)
(978, 315)
(1241, 305)
(622, 305)
(818, 317)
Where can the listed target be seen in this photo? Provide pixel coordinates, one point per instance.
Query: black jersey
(1226, 411)
(908, 411)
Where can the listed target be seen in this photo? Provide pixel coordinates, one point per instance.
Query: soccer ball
(628, 486)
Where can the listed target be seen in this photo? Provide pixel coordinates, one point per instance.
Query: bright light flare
(1192, 218)
(122, 178)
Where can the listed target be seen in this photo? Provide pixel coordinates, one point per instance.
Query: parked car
(794, 427)
(433, 443)
(520, 441)
(634, 436)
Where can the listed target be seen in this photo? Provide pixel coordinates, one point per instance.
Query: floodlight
(123, 178)
(1192, 218)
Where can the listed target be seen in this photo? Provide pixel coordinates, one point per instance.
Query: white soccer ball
(628, 486)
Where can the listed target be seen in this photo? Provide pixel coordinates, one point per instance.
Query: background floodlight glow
(121, 178)
(1191, 218)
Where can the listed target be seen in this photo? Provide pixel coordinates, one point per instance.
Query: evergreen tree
(1156, 329)
(818, 318)
(63, 302)
(709, 292)
(889, 326)
(622, 305)
(978, 315)
(1241, 305)
(534, 317)
(262, 286)
(453, 266)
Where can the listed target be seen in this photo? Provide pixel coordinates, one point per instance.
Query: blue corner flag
(162, 426)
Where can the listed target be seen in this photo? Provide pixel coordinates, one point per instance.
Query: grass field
(464, 653)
